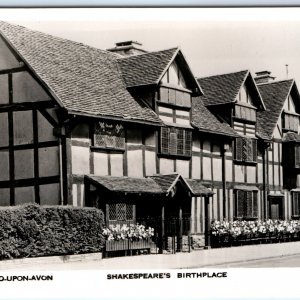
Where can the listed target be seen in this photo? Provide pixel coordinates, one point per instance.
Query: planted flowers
(131, 232)
(235, 231)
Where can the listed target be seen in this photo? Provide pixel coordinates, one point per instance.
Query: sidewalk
(195, 259)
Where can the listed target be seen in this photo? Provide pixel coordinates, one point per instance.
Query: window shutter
(180, 141)
(240, 203)
(164, 141)
(255, 205)
(173, 141)
(248, 204)
(239, 148)
(188, 143)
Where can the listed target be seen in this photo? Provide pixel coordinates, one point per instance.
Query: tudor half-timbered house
(134, 133)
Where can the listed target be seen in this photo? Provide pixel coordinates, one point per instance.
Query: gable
(83, 79)
(174, 76)
(245, 95)
(7, 59)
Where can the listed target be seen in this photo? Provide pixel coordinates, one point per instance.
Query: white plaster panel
(80, 160)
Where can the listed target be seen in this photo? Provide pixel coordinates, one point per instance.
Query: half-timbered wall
(29, 152)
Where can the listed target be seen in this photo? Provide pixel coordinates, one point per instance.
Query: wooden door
(276, 208)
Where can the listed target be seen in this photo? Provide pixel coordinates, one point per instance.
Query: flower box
(141, 244)
(117, 245)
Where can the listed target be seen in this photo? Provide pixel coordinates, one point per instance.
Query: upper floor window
(290, 122)
(175, 141)
(175, 97)
(245, 149)
(246, 204)
(109, 135)
(245, 113)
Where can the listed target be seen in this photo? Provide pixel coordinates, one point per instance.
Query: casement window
(109, 135)
(245, 113)
(175, 141)
(296, 204)
(175, 97)
(246, 204)
(245, 149)
(291, 155)
(121, 212)
(290, 122)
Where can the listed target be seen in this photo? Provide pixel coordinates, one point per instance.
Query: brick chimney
(128, 48)
(263, 77)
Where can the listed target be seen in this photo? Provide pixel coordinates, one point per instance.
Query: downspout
(225, 147)
(61, 172)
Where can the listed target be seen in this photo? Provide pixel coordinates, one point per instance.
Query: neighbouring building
(134, 133)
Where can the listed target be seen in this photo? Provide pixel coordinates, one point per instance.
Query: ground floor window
(120, 212)
(296, 204)
(246, 204)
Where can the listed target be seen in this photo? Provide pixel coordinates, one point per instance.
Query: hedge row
(33, 230)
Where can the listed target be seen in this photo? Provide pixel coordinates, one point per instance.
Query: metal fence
(176, 238)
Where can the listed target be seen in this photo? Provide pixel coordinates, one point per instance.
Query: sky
(214, 41)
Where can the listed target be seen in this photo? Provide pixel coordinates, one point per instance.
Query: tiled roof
(84, 79)
(195, 186)
(127, 184)
(145, 69)
(165, 181)
(274, 94)
(221, 89)
(204, 120)
(199, 189)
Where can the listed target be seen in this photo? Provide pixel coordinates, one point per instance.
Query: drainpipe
(225, 148)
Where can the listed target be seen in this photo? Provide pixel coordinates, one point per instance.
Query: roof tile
(83, 78)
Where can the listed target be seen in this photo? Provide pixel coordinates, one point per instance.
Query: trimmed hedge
(32, 230)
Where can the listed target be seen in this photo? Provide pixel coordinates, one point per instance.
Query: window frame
(296, 214)
(119, 207)
(187, 142)
(239, 143)
(106, 146)
(254, 209)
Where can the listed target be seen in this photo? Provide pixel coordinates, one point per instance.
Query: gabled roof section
(149, 68)
(205, 121)
(274, 95)
(127, 184)
(83, 79)
(223, 89)
(168, 181)
(160, 184)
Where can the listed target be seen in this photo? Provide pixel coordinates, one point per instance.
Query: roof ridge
(147, 53)
(275, 81)
(218, 75)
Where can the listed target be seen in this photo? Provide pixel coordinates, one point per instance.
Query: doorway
(276, 207)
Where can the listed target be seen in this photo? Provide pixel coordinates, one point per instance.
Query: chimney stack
(128, 48)
(263, 77)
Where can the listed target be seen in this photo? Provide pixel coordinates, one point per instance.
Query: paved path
(225, 257)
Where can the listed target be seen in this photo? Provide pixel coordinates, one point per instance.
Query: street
(291, 261)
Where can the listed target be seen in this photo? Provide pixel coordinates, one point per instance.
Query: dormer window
(290, 121)
(175, 97)
(244, 112)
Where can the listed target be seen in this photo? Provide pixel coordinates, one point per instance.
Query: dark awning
(159, 184)
(246, 187)
(127, 184)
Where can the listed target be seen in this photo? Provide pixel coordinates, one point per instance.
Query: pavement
(221, 257)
